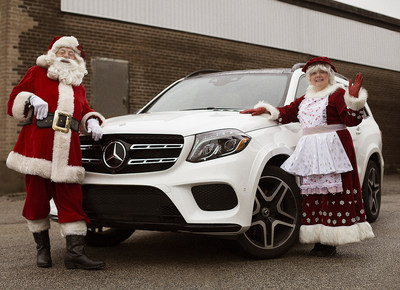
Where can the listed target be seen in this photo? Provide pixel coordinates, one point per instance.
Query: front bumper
(210, 196)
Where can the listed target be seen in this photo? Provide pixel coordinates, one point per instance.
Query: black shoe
(317, 248)
(321, 250)
(75, 256)
(327, 251)
(42, 240)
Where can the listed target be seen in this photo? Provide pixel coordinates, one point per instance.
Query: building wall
(156, 58)
(269, 23)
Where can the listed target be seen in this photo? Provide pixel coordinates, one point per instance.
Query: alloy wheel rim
(274, 214)
(373, 191)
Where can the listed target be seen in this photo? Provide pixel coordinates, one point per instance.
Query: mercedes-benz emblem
(114, 154)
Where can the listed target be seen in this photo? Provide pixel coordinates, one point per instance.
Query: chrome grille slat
(91, 160)
(155, 146)
(90, 147)
(151, 160)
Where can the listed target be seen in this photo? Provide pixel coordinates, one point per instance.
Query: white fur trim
(19, 107)
(74, 228)
(90, 115)
(66, 41)
(37, 226)
(43, 61)
(60, 170)
(353, 103)
(29, 165)
(329, 90)
(43, 168)
(335, 236)
(272, 113)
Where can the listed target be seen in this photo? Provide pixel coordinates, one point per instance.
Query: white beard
(70, 73)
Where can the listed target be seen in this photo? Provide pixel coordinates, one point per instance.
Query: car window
(228, 91)
(301, 87)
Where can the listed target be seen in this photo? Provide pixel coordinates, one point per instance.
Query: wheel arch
(267, 157)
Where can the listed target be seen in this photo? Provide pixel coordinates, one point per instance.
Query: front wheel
(276, 216)
(106, 237)
(371, 191)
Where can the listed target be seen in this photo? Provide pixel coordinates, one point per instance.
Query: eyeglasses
(66, 52)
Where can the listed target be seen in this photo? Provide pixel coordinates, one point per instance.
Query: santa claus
(51, 103)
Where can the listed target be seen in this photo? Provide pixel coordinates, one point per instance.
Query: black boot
(42, 240)
(75, 256)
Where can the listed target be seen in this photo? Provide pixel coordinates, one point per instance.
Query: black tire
(276, 217)
(106, 237)
(371, 191)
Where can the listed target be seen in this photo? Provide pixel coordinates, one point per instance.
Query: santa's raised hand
(354, 89)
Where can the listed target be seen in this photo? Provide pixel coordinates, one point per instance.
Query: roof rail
(203, 71)
(298, 65)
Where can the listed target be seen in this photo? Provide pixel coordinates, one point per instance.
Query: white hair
(324, 67)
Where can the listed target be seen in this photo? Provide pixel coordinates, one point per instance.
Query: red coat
(42, 151)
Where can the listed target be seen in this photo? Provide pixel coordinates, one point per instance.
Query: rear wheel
(276, 216)
(106, 237)
(371, 191)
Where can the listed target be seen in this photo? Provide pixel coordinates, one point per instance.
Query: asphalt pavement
(157, 260)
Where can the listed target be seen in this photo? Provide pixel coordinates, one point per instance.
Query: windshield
(225, 92)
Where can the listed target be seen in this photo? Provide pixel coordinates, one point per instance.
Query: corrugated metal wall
(262, 22)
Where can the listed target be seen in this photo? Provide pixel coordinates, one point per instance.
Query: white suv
(188, 161)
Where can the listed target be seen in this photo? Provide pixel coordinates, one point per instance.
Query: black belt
(63, 124)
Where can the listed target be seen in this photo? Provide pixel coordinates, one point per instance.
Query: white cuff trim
(77, 228)
(90, 115)
(353, 103)
(272, 113)
(19, 106)
(37, 226)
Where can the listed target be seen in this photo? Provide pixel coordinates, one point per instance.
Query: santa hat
(58, 42)
(319, 59)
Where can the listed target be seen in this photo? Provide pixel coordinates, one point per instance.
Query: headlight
(219, 143)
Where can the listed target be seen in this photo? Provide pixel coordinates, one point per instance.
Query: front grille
(129, 204)
(130, 153)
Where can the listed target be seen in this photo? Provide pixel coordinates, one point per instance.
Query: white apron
(319, 157)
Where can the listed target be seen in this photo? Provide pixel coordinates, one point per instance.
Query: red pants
(67, 197)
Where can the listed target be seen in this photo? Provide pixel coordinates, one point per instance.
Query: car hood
(184, 122)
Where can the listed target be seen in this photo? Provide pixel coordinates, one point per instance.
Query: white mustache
(66, 61)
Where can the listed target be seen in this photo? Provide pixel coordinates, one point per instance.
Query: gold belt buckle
(67, 125)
